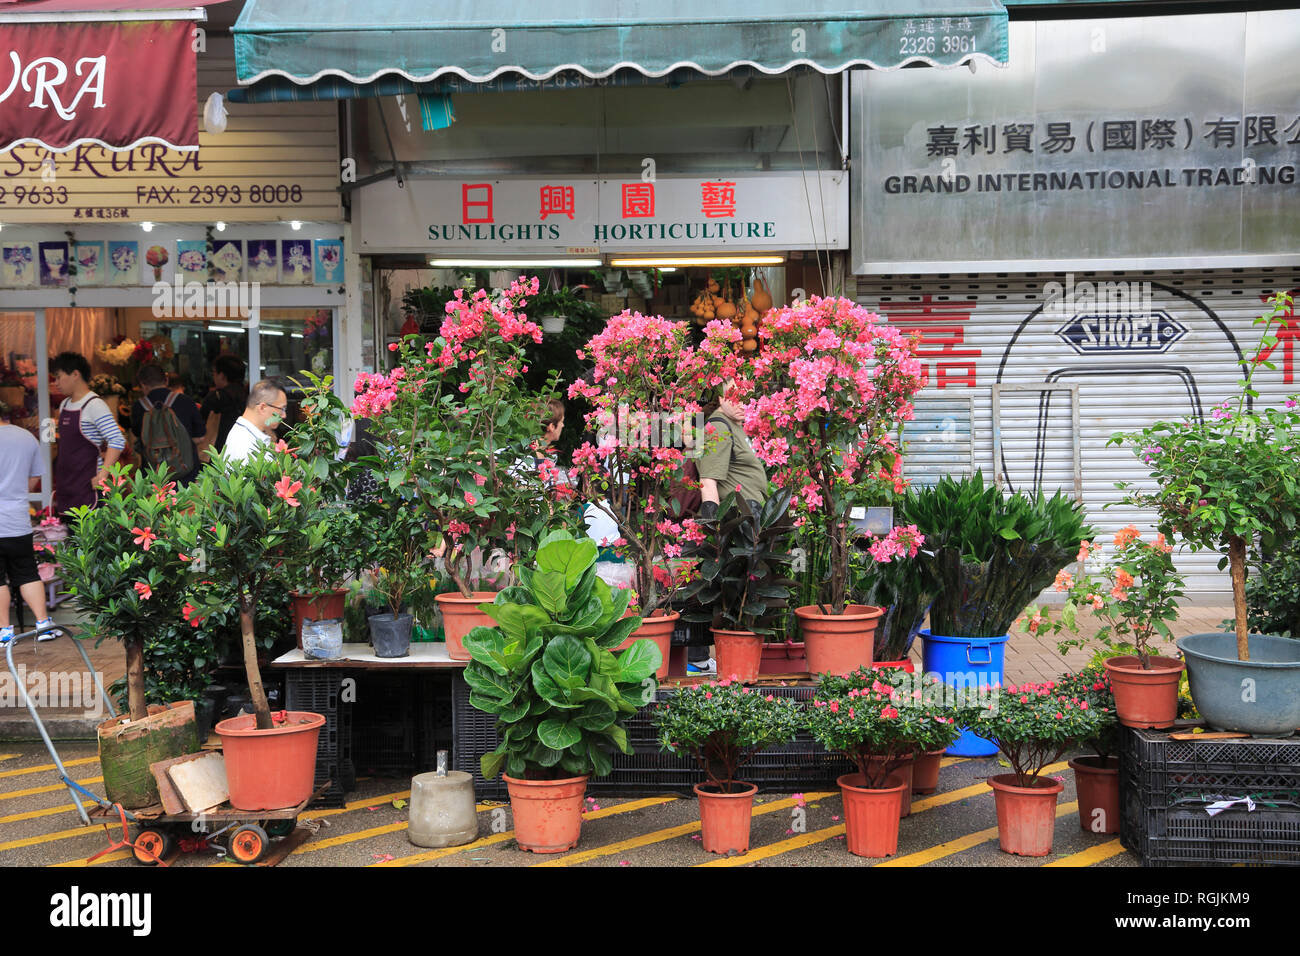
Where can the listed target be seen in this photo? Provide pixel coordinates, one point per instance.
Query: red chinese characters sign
(118, 85)
(943, 331)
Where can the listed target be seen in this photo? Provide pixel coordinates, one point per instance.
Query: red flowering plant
(1136, 596)
(723, 724)
(830, 388)
(460, 437)
(877, 718)
(238, 525)
(645, 393)
(1036, 724)
(126, 567)
(1092, 685)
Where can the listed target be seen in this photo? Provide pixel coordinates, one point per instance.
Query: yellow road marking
(33, 791)
(658, 836)
(509, 834)
(1094, 854)
(33, 814)
(47, 838)
(358, 805)
(49, 766)
(110, 858)
(9, 756)
(960, 844)
(821, 836)
(949, 761)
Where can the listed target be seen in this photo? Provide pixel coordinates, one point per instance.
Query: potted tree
(399, 550)
(739, 586)
(645, 392)
(989, 555)
(723, 724)
(1136, 596)
(238, 523)
(561, 697)
(126, 568)
(1225, 482)
(462, 438)
(1033, 725)
(831, 385)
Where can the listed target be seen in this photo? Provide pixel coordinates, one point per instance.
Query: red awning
(119, 78)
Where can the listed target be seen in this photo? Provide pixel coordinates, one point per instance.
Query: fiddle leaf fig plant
(549, 671)
(740, 586)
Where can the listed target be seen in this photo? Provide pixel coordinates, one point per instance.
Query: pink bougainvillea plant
(827, 393)
(458, 435)
(646, 392)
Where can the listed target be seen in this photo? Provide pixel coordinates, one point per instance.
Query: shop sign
(1104, 142)
(116, 84)
(774, 211)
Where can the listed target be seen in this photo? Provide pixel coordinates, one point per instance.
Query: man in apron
(89, 439)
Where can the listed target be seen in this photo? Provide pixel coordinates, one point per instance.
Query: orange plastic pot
(725, 817)
(658, 628)
(460, 615)
(315, 607)
(548, 813)
(906, 666)
(839, 643)
(1145, 698)
(903, 767)
(925, 772)
(788, 657)
(871, 816)
(270, 769)
(738, 654)
(1026, 815)
(1096, 779)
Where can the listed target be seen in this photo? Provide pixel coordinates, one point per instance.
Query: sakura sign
(555, 215)
(117, 85)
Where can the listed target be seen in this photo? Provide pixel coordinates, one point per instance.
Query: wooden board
(201, 781)
(283, 847)
(171, 800)
(1216, 735)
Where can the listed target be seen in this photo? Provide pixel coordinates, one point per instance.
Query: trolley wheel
(279, 828)
(248, 843)
(155, 841)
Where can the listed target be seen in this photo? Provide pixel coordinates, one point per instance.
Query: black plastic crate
(1166, 786)
(436, 720)
(800, 765)
(320, 691)
(385, 720)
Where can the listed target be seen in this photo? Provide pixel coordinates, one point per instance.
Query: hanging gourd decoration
(761, 299)
(727, 309)
(713, 284)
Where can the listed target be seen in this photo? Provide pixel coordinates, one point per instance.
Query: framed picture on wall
(19, 266)
(123, 263)
(92, 265)
(158, 266)
(262, 258)
(228, 260)
(53, 263)
(192, 259)
(328, 262)
(295, 262)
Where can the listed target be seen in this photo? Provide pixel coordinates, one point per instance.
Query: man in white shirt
(21, 470)
(267, 403)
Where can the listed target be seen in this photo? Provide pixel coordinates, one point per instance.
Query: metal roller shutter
(1173, 347)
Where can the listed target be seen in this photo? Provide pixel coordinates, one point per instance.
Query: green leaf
(618, 734)
(550, 690)
(601, 764)
(558, 734)
(567, 662)
(549, 590)
(489, 682)
(639, 661)
(618, 632)
(515, 619)
(490, 763)
(487, 645)
(569, 558)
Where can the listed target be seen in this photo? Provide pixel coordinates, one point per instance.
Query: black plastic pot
(390, 635)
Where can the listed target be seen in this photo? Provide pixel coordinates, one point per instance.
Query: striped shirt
(97, 422)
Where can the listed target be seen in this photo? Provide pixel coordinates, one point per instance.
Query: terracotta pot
(270, 769)
(1145, 698)
(315, 607)
(1096, 780)
(871, 816)
(785, 658)
(925, 771)
(906, 666)
(1026, 815)
(658, 628)
(738, 654)
(460, 615)
(725, 817)
(839, 643)
(904, 767)
(548, 813)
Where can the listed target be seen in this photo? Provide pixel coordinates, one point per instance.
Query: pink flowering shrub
(828, 390)
(645, 371)
(457, 433)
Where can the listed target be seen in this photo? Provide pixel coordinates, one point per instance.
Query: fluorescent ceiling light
(661, 262)
(146, 226)
(295, 224)
(221, 226)
(225, 328)
(515, 263)
(269, 332)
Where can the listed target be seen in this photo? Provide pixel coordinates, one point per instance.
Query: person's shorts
(18, 561)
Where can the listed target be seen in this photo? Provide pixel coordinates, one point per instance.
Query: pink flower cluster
(901, 542)
(376, 392)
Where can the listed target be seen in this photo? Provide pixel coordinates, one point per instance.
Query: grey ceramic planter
(1260, 696)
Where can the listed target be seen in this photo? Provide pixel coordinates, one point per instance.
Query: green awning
(479, 40)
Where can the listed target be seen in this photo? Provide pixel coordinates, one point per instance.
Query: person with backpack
(166, 425)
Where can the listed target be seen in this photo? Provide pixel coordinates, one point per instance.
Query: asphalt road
(954, 827)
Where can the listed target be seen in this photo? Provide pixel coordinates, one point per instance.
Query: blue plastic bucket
(965, 662)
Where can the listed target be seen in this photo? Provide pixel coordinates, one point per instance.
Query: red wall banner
(118, 85)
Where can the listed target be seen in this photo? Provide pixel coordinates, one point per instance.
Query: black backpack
(164, 440)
